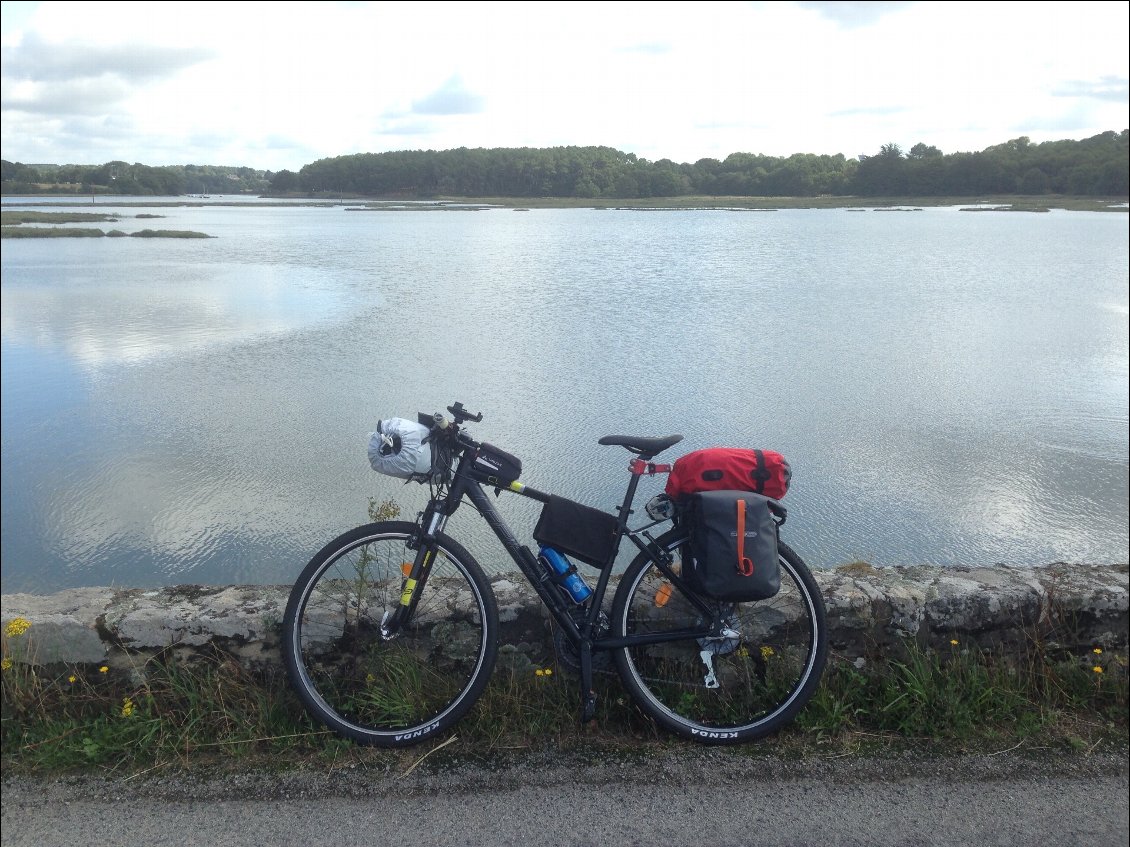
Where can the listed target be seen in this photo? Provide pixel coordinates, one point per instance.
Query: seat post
(626, 507)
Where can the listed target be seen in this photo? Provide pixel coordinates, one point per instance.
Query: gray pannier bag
(733, 545)
(399, 448)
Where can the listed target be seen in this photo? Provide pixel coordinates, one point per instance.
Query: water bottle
(563, 573)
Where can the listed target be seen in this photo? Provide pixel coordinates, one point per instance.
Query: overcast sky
(279, 85)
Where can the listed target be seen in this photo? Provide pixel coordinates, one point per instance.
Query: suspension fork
(430, 525)
(412, 587)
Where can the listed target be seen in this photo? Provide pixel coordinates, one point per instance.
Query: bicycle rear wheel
(721, 690)
(398, 691)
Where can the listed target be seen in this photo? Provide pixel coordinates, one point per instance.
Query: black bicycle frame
(469, 482)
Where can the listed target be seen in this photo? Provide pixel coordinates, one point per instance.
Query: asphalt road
(676, 797)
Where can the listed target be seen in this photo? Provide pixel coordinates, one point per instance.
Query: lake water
(950, 387)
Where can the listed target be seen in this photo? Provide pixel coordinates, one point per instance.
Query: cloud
(279, 91)
(36, 60)
(206, 140)
(654, 48)
(78, 97)
(451, 98)
(409, 128)
(85, 79)
(867, 110)
(1111, 88)
(849, 14)
(1073, 124)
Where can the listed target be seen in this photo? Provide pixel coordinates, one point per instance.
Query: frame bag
(733, 545)
(580, 531)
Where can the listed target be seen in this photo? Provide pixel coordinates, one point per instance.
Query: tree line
(1093, 167)
(135, 179)
(1096, 167)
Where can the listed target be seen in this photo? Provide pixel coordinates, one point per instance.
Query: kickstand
(588, 696)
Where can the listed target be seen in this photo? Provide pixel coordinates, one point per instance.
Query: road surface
(678, 796)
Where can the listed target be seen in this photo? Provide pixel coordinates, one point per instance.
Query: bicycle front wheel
(724, 690)
(396, 691)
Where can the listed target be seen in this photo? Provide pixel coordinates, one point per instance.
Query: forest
(1092, 167)
(136, 179)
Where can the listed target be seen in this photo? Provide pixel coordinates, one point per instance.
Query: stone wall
(870, 612)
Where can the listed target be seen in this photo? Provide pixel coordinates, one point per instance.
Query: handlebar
(461, 415)
(437, 420)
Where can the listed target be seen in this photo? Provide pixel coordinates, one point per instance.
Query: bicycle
(391, 631)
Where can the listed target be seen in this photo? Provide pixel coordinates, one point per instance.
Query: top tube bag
(494, 466)
(733, 545)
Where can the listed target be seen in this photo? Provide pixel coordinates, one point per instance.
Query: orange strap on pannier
(745, 566)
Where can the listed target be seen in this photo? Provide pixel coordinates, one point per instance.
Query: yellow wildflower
(766, 653)
(743, 652)
(539, 672)
(72, 679)
(127, 707)
(17, 626)
(1098, 651)
(1097, 669)
(5, 664)
(954, 642)
(549, 671)
(104, 669)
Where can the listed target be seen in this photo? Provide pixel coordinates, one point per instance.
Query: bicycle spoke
(377, 689)
(744, 683)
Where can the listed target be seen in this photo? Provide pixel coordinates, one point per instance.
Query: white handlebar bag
(398, 448)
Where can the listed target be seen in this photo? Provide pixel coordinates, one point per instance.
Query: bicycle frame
(583, 634)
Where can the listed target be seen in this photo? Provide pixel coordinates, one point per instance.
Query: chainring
(570, 658)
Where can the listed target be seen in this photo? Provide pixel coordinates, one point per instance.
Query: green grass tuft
(212, 710)
(49, 232)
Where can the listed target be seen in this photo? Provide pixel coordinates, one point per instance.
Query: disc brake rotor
(727, 642)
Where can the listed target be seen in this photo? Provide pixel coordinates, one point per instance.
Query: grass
(968, 698)
(49, 232)
(10, 226)
(214, 712)
(76, 232)
(168, 233)
(14, 218)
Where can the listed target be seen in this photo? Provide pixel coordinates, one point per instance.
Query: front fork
(433, 522)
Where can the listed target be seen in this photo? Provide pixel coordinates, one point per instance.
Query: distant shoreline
(688, 203)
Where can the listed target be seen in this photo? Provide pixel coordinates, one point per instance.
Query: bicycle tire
(389, 692)
(766, 673)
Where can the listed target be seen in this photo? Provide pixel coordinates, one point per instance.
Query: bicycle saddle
(644, 447)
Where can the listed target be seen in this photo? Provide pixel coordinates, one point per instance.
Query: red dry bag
(730, 468)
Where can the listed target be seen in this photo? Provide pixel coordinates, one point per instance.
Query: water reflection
(949, 388)
(176, 311)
